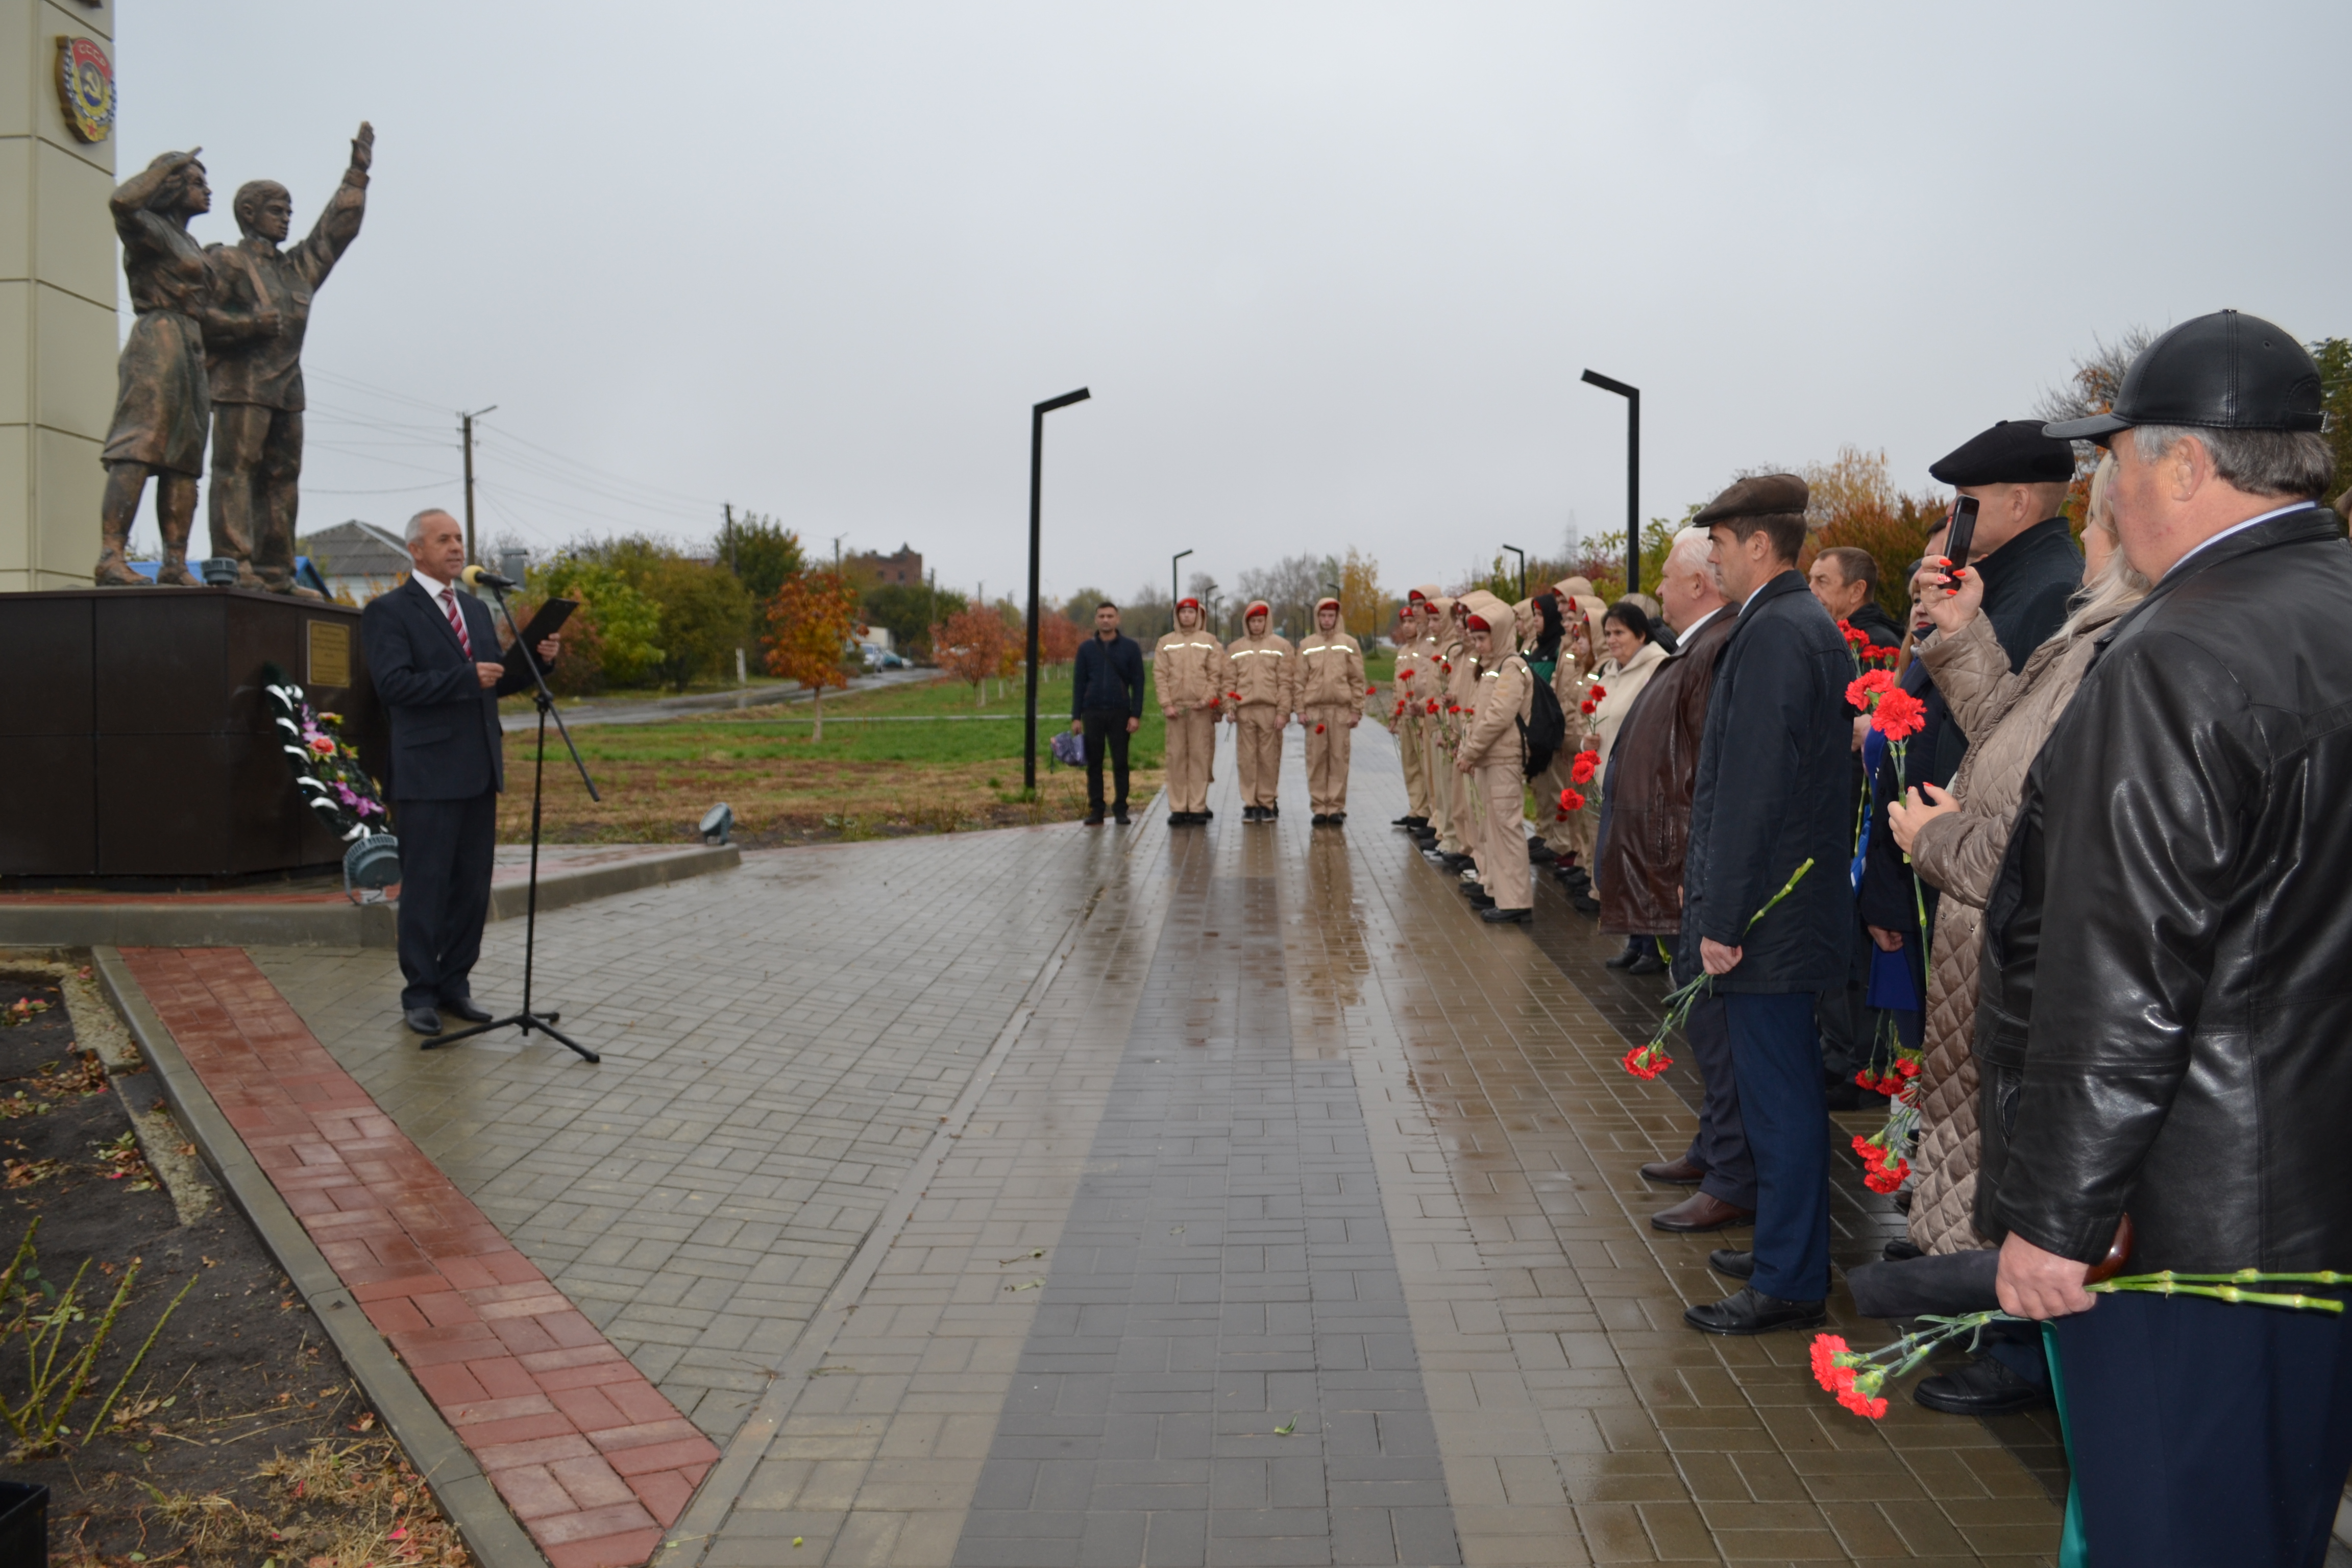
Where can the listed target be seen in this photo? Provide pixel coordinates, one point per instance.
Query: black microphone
(478, 577)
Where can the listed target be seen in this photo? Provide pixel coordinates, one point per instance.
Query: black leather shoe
(1584, 903)
(423, 1020)
(1479, 898)
(1120, 816)
(1677, 1171)
(1980, 1386)
(1539, 852)
(1902, 1250)
(1750, 1311)
(1577, 878)
(1203, 814)
(1338, 819)
(1252, 813)
(1701, 1211)
(1318, 820)
(466, 1007)
(1460, 862)
(1625, 956)
(1408, 821)
(1495, 916)
(1647, 962)
(1732, 1263)
(1093, 819)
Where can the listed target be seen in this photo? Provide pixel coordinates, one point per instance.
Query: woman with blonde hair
(1956, 839)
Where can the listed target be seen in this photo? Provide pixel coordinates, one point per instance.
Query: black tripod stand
(527, 1020)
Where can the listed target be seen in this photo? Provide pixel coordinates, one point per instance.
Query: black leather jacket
(2164, 1026)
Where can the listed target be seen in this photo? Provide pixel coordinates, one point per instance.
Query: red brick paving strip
(582, 1448)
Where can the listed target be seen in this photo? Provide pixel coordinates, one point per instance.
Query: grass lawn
(916, 758)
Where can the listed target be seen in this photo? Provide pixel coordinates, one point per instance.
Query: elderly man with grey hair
(2164, 1021)
(432, 653)
(1646, 802)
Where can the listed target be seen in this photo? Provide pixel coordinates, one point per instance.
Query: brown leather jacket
(1652, 769)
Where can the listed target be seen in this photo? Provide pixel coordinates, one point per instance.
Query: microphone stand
(527, 1020)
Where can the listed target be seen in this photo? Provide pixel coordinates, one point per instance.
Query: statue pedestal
(136, 743)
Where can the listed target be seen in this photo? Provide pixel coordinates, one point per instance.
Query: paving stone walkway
(882, 1179)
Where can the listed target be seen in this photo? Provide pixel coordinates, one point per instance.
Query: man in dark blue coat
(1106, 706)
(432, 653)
(1773, 794)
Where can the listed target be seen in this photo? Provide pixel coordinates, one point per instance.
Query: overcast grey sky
(1331, 271)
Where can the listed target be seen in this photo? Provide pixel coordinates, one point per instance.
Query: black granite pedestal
(136, 743)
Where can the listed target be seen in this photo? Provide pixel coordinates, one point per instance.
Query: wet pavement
(1155, 1196)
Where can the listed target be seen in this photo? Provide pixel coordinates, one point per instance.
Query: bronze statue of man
(161, 405)
(256, 378)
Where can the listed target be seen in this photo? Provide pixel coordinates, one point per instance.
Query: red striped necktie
(457, 621)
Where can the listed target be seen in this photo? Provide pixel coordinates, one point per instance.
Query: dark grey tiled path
(1222, 1367)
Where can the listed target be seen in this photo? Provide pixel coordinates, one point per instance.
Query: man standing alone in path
(1261, 668)
(1106, 706)
(1770, 796)
(1188, 673)
(1331, 704)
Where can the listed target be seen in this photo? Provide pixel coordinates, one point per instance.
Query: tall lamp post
(1523, 567)
(1632, 396)
(1037, 413)
(1171, 585)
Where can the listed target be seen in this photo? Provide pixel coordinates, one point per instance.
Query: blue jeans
(1775, 1054)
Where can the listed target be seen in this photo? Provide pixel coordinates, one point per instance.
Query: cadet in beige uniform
(1188, 672)
(1457, 841)
(1331, 693)
(1261, 678)
(1405, 715)
(1490, 758)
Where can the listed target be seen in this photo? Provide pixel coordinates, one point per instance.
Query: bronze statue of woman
(162, 407)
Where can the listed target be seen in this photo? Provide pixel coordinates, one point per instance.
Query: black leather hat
(2227, 371)
(1760, 495)
(2013, 452)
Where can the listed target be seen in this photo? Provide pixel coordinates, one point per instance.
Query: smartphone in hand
(1962, 534)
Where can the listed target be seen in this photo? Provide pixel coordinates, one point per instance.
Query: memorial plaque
(330, 655)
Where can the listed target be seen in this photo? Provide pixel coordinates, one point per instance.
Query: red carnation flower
(1587, 764)
(1900, 715)
(1319, 729)
(1587, 706)
(1864, 690)
(1404, 675)
(1597, 692)
(1572, 799)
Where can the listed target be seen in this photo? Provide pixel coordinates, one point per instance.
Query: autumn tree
(973, 645)
(1362, 609)
(1058, 639)
(810, 621)
(1855, 503)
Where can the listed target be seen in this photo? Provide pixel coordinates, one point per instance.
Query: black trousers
(2205, 1434)
(446, 848)
(1106, 730)
(1720, 1149)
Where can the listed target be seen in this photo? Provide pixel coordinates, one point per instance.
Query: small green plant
(58, 1375)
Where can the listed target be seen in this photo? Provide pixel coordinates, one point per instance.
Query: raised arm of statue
(339, 222)
(132, 198)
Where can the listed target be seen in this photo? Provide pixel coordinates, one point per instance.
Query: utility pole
(727, 509)
(468, 429)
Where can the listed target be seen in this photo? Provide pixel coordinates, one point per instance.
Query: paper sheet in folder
(545, 625)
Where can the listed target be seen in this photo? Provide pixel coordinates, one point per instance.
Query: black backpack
(1545, 729)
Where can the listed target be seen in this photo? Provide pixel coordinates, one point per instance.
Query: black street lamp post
(1632, 396)
(1523, 567)
(1172, 595)
(1037, 413)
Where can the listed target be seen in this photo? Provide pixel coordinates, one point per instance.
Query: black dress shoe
(1203, 814)
(1732, 1263)
(1408, 821)
(1624, 957)
(1093, 819)
(1980, 1386)
(1318, 820)
(1539, 852)
(466, 1007)
(423, 1020)
(1252, 813)
(1647, 962)
(1902, 1250)
(1338, 819)
(1496, 916)
(1480, 899)
(1750, 1311)
(1120, 816)
(1460, 862)
(1584, 903)
(1577, 878)
(1701, 1211)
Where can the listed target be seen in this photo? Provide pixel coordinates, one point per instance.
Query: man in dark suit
(433, 652)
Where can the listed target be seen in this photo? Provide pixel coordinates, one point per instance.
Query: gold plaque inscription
(330, 654)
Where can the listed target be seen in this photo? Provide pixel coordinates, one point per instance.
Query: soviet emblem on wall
(86, 87)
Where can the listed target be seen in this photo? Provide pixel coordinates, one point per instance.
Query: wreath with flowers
(326, 767)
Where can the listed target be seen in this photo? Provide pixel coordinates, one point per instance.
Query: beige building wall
(57, 331)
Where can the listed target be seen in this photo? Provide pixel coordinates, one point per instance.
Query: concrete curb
(464, 1494)
(336, 923)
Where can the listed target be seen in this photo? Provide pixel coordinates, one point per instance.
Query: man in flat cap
(1770, 797)
(2166, 1019)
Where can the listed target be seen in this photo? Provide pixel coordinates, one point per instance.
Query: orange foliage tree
(810, 622)
(973, 645)
(1855, 503)
(1058, 639)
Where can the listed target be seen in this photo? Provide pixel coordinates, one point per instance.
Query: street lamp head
(1611, 384)
(1063, 401)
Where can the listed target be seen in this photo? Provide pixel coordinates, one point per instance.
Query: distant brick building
(906, 566)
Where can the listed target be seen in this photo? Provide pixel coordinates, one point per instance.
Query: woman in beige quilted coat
(1958, 838)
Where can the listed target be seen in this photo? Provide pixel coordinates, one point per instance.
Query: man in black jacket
(1775, 767)
(2165, 1009)
(432, 653)
(1106, 706)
